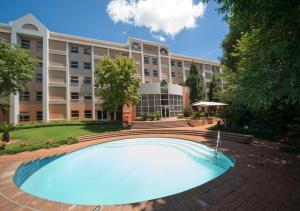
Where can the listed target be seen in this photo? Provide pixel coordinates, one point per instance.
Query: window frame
(39, 96)
(74, 49)
(39, 115)
(87, 66)
(77, 114)
(24, 114)
(25, 44)
(74, 94)
(24, 96)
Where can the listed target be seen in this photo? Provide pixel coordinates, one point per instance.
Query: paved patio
(263, 179)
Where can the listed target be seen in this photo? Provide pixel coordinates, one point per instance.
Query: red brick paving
(262, 179)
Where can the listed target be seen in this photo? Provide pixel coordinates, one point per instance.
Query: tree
(261, 58)
(117, 83)
(215, 90)
(196, 84)
(16, 70)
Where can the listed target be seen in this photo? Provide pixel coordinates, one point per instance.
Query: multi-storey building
(63, 85)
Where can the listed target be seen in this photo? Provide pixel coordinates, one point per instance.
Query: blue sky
(200, 36)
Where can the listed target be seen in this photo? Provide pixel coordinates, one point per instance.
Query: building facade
(63, 85)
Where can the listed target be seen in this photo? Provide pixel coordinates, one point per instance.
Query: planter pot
(5, 137)
(126, 125)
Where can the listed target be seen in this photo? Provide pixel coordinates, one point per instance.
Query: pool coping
(196, 198)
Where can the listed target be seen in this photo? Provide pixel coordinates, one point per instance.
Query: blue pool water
(123, 171)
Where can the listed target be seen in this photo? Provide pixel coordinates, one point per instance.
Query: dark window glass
(74, 49)
(74, 95)
(24, 96)
(39, 96)
(24, 116)
(25, 44)
(88, 114)
(75, 114)
(39, 115)
(74, 64)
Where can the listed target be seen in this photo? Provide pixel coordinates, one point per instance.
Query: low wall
(200, 122)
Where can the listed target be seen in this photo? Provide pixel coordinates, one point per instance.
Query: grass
(37, 136)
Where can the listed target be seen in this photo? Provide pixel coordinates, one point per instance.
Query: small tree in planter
(6, 128)
(157, 115)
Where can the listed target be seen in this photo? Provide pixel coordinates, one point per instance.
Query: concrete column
(159, 64)
(14, 98)
(68, 81)
(93, 84)
(170, 69)
(46, 77)
(143, 65)
(183, 71)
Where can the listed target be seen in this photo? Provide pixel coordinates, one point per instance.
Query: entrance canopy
(207, 104)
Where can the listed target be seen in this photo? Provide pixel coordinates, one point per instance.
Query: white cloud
(159, 37)
(168, 17)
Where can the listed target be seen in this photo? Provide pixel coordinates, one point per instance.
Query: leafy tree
(117, 83)
(261, 58)
(215, 90)
(16, 70)
(196, 84)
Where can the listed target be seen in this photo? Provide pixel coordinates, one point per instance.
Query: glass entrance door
(165, 111)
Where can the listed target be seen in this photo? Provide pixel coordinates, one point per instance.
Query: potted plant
(5, 129)
(145, 116)
(157, 115)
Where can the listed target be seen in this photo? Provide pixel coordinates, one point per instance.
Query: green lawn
(36, 136)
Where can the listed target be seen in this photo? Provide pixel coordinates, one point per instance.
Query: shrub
(71, 140)
(187, 112)
(197, 115)
(157, 115)
(2, 145)
(145, 116)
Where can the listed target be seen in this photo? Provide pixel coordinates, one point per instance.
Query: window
(154, 61)
(75, 114)
(74, 49)
(179, 64)
(24, 116)
(87, 80)
(24, 96)
(74, 64)
(39, 96)
(147, 82)
(135, 45)
(155, 73)
(173, 74)
(208, 75)
(88, 114)
(74, 96)
(101, 115)
(39, 78)
(164, 51)
(39, 115)
(87, 96)
(25, 44)
(39, 45)
(147, 73)
(146, 60)
(74, 80)
(87, 66)
(172, 63)
(40, 60)
(87, 51)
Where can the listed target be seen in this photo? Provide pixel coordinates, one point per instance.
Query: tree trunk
(5, 137)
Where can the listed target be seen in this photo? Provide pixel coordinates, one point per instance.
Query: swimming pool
(123, 171)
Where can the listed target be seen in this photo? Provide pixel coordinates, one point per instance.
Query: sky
(189, 27)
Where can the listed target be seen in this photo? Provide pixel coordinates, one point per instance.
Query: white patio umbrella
(206, 104)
